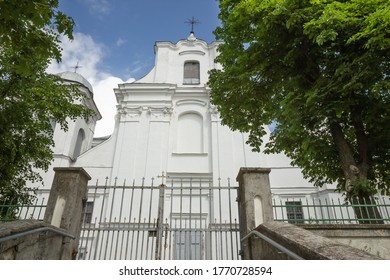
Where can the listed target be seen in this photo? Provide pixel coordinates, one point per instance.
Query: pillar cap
(245, 170)
(72, 170)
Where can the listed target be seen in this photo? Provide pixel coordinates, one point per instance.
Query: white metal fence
(183, 219)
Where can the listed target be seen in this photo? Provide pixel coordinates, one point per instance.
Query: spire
(193, 21)
(77, 67)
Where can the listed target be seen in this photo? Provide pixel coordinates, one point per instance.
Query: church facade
(167, 133)
(165, 123)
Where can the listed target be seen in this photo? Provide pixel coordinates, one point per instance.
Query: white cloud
(102, 7)
(88, 54)
(120, 42)
(105, 100)
(84, 52)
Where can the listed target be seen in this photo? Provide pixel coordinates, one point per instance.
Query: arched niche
(79, 143)
(258, 210)
(190, 133)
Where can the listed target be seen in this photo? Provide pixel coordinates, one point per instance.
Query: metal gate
(184, 219)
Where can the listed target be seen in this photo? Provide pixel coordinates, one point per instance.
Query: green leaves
(309, 65)
(29, 97)
(367, 21)
(375, 31)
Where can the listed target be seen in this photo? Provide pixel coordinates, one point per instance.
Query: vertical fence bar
(130, 226)
(139, 217)
(230, 218)
(104, 229)
(143, 238)
(100, 223)
(91, 242)
(282, 208)
(113, 230)
(180, 219)
(170, 225)
(165, 236)
(315, 208)
(238, 244)
(149, 219)
(211, 219)
(321, 216)
(340, 210)
(334, 212)
(220, 217)
(123, 238)
(110, 220)
(89, 225)
(190, 222)
(132, 238)
(120, 219)
(83, 233)
(201, 242)
(327, 209)
(160, 222)
(347, 208)
(153, 243)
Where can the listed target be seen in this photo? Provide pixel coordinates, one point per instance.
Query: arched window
(79, 143)
(191, 73)
(190, 133)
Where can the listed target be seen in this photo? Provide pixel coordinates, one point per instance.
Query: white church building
(167, 133)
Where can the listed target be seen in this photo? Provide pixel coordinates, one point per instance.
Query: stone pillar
(65, 208)
(254, 202)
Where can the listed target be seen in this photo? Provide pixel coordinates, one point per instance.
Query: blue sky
(114, 41)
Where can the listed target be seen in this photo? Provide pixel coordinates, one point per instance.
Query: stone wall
(31, 240)
(302, 242)
(287, 241)
(56, 238)
(373, 239)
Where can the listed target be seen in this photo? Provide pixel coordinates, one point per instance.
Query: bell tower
(70, 144)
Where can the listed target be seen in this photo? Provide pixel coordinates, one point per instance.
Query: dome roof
(75, 77)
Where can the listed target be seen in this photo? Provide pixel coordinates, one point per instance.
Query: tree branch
(362, 142)
(347, 161)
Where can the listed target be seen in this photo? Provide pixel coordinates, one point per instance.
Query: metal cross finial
(163, 177)
(193, 21)
(76, 67)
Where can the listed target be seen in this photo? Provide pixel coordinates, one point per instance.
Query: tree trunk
(355, 173)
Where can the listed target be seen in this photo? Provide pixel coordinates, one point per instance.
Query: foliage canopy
(30, 98)
(320, 69)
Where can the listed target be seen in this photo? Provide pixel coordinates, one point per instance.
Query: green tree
(320, 70)
(29, 97)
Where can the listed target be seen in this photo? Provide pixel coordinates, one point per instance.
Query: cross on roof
(76, 67)
(193, 21)
(163, 177)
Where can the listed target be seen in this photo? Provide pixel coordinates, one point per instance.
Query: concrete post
(254, 202)
(65, 208)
